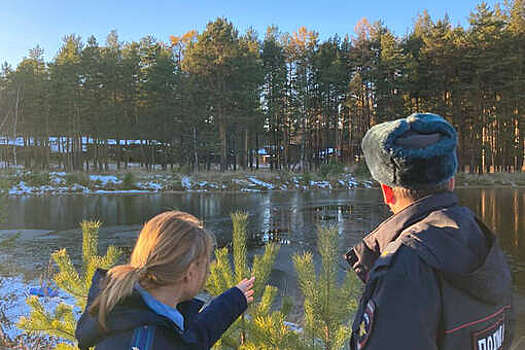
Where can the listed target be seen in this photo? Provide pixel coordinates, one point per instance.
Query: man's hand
(246, 287)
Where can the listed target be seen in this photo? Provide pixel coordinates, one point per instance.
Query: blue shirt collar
(161, 308)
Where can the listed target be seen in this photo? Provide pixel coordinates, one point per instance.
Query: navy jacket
(132, 325)
(435, 279)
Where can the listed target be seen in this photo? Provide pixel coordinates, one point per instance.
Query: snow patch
(21, 188)
(348, 181)
(79, 188)
(367, 184)
(14, 292)
(261, 183)
(57, 177)
(186, 183)
(119, 191)
(321, 184)
(58, 181)
(153, 186)
(105, 179)
(243, 182)
(58, 173)
(105, 184)
(250, 190)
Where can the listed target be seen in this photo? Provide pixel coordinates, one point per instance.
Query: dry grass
(495, 179)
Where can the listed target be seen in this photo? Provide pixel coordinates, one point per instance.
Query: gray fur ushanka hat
(411, 152)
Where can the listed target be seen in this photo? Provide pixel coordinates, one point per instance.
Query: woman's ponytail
(118, 284)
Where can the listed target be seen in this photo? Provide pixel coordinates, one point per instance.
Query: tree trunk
(119, 152)
(195, 154)
(224, 146)
(126, 155)
(245, 153)
(27, 153)
(234, 146)
(106, 155)
(14, 125)
(257, 151)
(153, 160)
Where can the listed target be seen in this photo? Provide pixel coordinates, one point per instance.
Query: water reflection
(275, 235)
(503, 210)
(276, 217)
(286, 218)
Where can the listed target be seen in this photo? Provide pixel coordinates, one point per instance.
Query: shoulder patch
(366, 325)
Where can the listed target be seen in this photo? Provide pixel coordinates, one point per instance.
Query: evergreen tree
(331, 79)
(112, 101)
(31, 79)
(387, 74)
(328, 305)
(223, 64)
(274, 93)
(158, 85)
(130, 94)
(65, 96)
(516, 46)
(61, 322)
(260, 327)
(92, 97)
(214, 97)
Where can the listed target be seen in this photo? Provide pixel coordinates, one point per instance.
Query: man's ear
(388, 194)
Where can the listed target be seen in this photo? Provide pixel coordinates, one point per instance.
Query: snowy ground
(14, 291)
(26, 183)
(13, 294)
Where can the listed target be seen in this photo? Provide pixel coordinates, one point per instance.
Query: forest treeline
(223, 99)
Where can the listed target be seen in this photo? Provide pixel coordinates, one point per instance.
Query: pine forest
(217, 99)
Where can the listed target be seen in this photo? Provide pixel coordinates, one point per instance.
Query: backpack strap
(485, 230)
(142, 338)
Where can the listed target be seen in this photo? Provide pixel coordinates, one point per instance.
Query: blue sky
(26, 23)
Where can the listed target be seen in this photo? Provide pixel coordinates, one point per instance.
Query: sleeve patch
(366, 325)
(490, 338)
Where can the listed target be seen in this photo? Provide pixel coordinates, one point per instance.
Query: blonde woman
(148, 304)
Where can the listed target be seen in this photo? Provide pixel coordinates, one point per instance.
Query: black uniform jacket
(133, 325)
(435, 279)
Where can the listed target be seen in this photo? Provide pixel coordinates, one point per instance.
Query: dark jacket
(435, 279)
(132, 324)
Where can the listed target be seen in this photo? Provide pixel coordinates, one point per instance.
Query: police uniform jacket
(133, 325)
(435, 279)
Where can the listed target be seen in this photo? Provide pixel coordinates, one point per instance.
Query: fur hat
(411, 152)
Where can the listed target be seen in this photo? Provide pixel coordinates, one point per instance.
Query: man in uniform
(435, 276)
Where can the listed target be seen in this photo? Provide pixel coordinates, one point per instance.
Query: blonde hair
(167, 245)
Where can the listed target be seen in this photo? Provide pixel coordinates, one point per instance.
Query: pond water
(290, 218)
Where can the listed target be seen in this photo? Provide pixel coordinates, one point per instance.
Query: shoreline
(20, 183)
(145, 192)
(32, 183)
